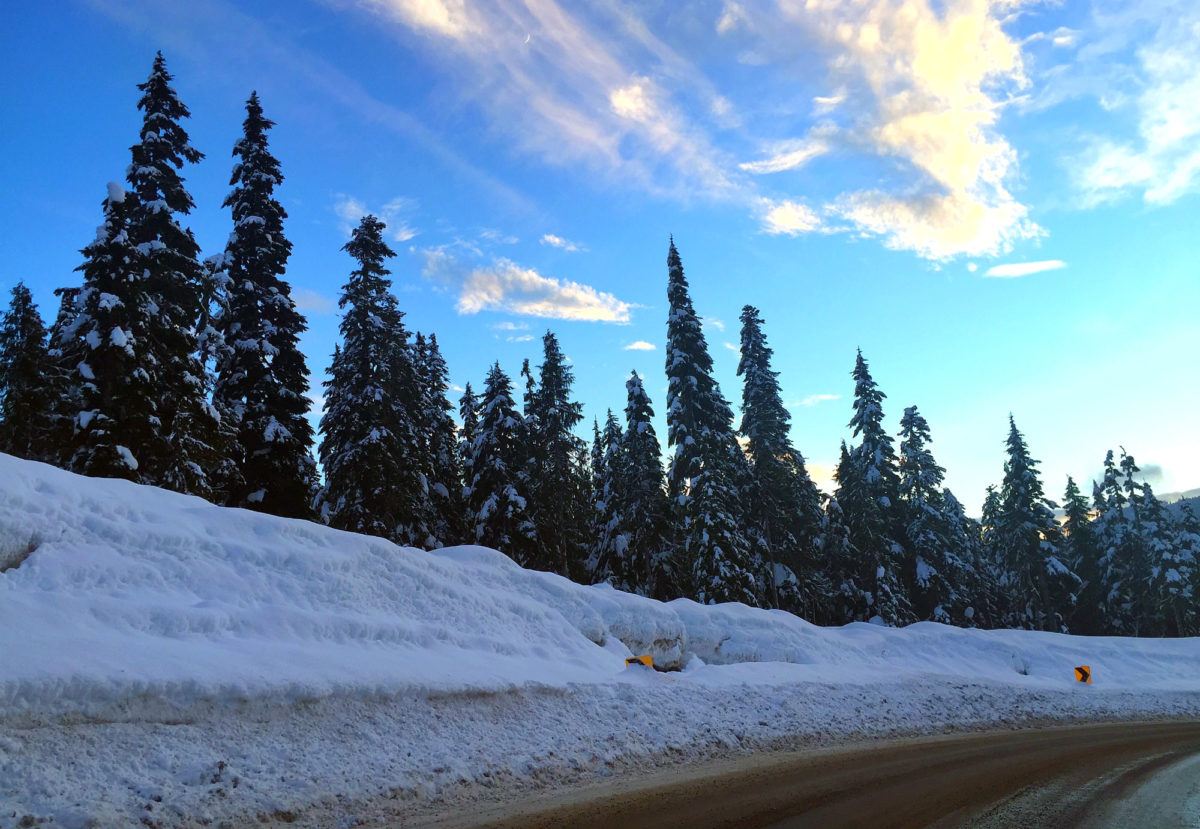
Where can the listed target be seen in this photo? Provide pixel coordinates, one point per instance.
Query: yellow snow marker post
(1083, 673)
(640, 660)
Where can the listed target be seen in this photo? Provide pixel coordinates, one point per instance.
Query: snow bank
(155, 648)
(132, 591)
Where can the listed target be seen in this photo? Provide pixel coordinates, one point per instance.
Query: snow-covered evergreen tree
(978, 579)
(1178, 578)
(840, 565)
(468, 414)
(262, 380)
(558, 482)
(868, 488)
(441, 445)
(112, 370)
(1082, 553)
(1040, 584)
(785, 506)
(645, 556)
(25, 397)
(1170, 607)
(606, 559)
(707, 466)
(188, 444)
(937, 571)
(496, 502)
(1124, 558)
(61, 380)
(374, 481)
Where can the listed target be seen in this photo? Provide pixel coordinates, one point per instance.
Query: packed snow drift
(190, 638)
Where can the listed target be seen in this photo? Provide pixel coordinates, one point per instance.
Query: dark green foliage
(112, 372)
(374, 469)
(785, 507)
(1040, 585)
(557, 480)
(496, 502)
(938, 563)
(707, 467)
(868, 489)
(25, 399)
(1082, 552)
(262, 381)
(168, 302)
(440, 445)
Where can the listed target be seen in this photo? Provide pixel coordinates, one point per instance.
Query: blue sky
(996, 200)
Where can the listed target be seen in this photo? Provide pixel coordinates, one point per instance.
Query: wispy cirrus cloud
(395, 214)
(816, 399)
(313, 302)
(918, 85)
(1015, 270)
(1156, 90)
(788, 155)
(555, 241)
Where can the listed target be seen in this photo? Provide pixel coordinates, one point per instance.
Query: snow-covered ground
(162, 658)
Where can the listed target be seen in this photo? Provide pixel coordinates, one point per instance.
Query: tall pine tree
(188, 442)
(262, 380)
(868, 488)
(111, 367)
(645, 554)
(785, 504)
(1041, 586)
(374, 481)
(25, 399)
(441, 445)
(1082, 553)
(497, 504)
(707, 466)
(607, 557)
(558, 482)
(937, 570)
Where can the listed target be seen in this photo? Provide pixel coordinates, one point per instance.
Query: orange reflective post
(1083, 673)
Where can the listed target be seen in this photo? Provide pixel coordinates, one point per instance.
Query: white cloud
(816, 399)
(313, 302)
(350, 211)
(561, 243)
(788, 218)
(520, 338)
(920, 83)
(1015, 270)
(639, 345)
(443, 17)
(715, 323)
(568, 83)
(972, 267)
(789, 155)
(732, 14)
(1162, 90)
(492, 235)
(506, 286)
(734, 347)
(510, 326)
(925, 83)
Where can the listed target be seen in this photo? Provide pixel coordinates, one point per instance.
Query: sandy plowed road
(1112, 775)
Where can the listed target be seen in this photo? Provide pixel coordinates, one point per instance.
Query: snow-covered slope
(132, 590)
(145, 609)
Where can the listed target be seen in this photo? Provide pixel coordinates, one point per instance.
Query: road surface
(1111, 775)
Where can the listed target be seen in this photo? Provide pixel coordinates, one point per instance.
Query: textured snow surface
(154, 649)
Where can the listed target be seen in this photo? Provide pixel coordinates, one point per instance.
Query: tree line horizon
(172, 370)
